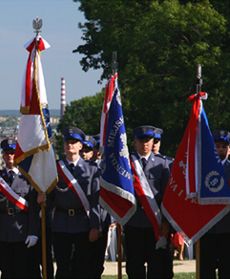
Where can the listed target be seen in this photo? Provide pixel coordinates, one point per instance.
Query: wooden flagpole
(119, 228)
(37, 25)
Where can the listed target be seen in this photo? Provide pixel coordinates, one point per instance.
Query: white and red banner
(34, 152)
(195, 161)
(146, 197)
(72, 183)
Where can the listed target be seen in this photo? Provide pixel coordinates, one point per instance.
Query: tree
(84, 114)
(159, 45)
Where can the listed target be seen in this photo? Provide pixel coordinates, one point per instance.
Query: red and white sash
(146, 197)
(13, 197)
(72, 183)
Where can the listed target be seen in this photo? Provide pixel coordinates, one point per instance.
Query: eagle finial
(37, 25)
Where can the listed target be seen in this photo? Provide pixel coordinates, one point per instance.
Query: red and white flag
(34, 152)
(109, 93)
(195, 159)
(13, 197)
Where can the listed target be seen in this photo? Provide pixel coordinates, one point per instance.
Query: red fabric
(108, 98)
(177, 239)
(121, 206)
(145, 203)
(187, 215)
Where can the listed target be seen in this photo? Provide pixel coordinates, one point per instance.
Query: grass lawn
(190, 275)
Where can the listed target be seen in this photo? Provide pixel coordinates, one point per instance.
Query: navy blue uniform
(15, 226)
(70, 223)
(139, 237)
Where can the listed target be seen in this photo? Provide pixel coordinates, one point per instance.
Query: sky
(60, 29)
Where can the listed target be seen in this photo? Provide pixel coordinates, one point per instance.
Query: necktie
(71, 167)
(11, 175)
(144, 163)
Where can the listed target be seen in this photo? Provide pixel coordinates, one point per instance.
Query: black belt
(11, 211)
(71, 211)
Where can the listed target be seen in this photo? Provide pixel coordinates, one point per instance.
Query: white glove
(161, 243)
(31, 240)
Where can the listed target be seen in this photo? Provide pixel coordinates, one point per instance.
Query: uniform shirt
(16, 224)
(64, 199)
(157, 175)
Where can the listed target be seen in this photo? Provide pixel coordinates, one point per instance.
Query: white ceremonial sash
(13, 197)
(72, 183)
(146, 197)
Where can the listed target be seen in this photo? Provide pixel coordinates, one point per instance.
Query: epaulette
(165, 157)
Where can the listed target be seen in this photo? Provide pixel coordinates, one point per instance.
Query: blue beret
(222, 136)
(74, 134)
(157, 133)
(89, 142)
(143, 132)
(8, 144)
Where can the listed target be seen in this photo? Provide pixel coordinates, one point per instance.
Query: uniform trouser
(214, 254)
(140, 249)
(36, 257)
(14, 260)
(98, 254)
(73, 254)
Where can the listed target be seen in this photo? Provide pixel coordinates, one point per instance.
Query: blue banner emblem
(214, 188)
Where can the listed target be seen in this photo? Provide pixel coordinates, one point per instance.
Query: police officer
(157, 136)
(76, 220)
(140, 243)
(90, 151)
(19, 224)
(87, 152)
(215, 244)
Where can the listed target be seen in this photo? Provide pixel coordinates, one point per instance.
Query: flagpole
(119, 227)
(37, 25)
(199, 83)
(44, 261)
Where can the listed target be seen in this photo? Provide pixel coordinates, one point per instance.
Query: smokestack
(63, 97)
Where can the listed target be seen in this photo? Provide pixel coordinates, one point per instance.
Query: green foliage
(183, 275)
(159, 45)
(84, 114)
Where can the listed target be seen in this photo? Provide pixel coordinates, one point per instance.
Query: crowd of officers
(77, 228)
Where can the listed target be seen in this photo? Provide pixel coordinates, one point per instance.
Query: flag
(117, 191)
(34, 152)
(195, 161)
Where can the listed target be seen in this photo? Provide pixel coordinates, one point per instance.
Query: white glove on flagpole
(161, 243)
(31, 240)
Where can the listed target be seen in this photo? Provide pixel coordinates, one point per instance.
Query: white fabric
(43, 169)
(76, 186)
(31, 240)
(31, 133)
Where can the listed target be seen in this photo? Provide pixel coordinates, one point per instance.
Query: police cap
(221, 136)
(143, 132)
(157, 133)
(97, 139)
(8, 145)
(74, 134)
(89, 142)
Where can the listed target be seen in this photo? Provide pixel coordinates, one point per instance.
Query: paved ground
(179, 266)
